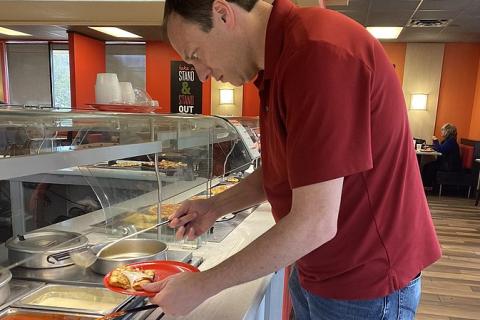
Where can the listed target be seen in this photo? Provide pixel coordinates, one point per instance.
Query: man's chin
(234, 82)
(238, 82)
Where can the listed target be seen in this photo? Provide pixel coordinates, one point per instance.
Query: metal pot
(5, 277)
(129, 251)
(44, 249)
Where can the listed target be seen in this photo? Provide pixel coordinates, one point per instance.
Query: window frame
(51, 48)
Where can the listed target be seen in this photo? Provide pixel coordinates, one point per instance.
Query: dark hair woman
(448, 161)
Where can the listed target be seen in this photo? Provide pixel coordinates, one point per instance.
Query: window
(29, 74)
(60, 74)
(39, 74)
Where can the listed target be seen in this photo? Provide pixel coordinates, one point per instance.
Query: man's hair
(199, 11)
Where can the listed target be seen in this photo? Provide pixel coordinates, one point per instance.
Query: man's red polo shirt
(333, 107)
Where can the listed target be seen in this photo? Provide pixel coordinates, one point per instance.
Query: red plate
(163, 269)
(112, 107)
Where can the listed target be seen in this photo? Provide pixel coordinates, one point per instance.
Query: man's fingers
(187, 232)
(180, 211)
(183, 220)
(180, 233)
(154, 287)
(191, 234)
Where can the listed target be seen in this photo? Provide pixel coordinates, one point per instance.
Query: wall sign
(185, 89)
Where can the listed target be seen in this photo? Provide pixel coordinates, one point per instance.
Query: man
(338, 165)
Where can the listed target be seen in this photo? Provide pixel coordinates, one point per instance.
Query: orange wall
(251, 100)
(475, 121)
(87, 58)
(457, 87)
(158, 58)
(396, 52)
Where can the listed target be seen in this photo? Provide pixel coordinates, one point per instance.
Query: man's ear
(223, 13)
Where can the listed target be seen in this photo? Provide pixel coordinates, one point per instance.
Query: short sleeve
(326, 100)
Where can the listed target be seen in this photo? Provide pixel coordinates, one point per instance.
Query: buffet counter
(258, 299)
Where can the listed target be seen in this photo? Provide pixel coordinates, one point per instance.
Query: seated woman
(448, 161)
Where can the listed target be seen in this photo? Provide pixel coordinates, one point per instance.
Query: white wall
(128, 62)
(422, 74)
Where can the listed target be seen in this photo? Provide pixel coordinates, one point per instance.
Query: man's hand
(179, 294)
(194, 218)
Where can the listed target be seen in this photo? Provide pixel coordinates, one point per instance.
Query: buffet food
(76, 298)
(166, 164)
(233, 180)
(166, 209)
(130, 278)
(34, 315)
(141, 220)
(220, 188)
(126, 164)
(148, 217)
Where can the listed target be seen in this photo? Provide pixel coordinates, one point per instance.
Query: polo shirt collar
(275, 35)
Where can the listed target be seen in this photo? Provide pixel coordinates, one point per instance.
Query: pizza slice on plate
(130, 278)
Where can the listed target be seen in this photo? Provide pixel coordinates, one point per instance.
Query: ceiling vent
(429, 23)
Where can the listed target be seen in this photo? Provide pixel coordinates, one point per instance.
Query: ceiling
(463, 18)
(50, 20)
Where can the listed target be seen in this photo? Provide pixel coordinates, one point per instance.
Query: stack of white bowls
(107, 88)
(128, 95)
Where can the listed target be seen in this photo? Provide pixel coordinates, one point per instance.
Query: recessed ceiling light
(10, 32)
(385, 32)
(116, 32)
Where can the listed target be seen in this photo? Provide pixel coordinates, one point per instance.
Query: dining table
(426, 155)
(427, 152)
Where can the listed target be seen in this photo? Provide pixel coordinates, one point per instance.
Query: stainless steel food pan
(25, 314)
(129, 251)
(91, 300)
(45, 248)
(5, 277)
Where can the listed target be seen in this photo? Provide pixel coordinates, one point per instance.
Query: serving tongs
(121, 313)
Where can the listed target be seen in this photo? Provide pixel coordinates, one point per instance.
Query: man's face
(219, 53)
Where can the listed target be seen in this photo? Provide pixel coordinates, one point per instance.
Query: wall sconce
(227, 96)
(419, 101)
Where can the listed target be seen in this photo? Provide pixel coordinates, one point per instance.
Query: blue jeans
(400, 305)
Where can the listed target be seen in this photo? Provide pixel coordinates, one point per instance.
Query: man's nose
(202, 72)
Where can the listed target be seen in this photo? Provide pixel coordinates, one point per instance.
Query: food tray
(119, 107)
(26, 314)
(64, 298)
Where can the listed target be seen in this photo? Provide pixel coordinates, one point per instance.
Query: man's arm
(247, 193)
(196, 217)
(311, 223)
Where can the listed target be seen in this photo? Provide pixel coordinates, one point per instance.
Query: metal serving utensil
(121, 313)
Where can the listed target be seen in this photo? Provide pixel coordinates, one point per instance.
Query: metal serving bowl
(129, 251)
(44, 248)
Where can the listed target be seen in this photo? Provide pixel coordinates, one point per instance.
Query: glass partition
(77, 179)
